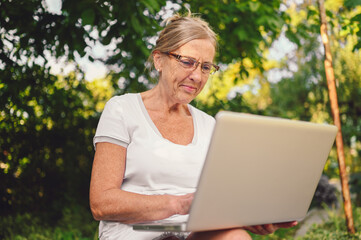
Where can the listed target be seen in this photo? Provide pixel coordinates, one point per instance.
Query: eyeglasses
(192, 64)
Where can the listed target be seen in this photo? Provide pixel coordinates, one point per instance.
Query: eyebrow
(193, 58)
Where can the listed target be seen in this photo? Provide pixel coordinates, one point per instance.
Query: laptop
(258, 170)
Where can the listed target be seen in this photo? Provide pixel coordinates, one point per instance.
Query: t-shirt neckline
(155, 129)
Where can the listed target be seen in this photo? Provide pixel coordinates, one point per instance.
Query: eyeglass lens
(191, 63)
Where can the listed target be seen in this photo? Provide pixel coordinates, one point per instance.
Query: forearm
(109, 202)
(127, 207)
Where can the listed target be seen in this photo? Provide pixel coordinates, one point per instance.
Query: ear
(158, 60)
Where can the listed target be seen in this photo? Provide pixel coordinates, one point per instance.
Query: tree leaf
(135, 24)
(356, 18)
(254, 6)
(88, 17)
(152, 5)
(352, 3)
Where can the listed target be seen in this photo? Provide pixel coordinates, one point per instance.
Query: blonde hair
(180, 30)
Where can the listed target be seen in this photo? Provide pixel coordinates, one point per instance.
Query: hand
(183, 203)
(269, 228)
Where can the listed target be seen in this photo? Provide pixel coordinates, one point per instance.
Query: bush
(333, 228)
(76, 224)
(355, 187)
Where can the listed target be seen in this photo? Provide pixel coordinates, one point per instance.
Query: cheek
(175, 71)
(178, 76)
(175, 78)
(169, 75)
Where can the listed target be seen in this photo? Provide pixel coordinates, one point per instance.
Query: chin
(185, 98)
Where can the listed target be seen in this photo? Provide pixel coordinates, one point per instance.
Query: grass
(78, 224)
(333, 228)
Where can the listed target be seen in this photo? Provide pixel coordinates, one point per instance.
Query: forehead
(202, 49)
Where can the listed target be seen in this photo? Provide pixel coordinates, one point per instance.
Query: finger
(258, 229)
(263, 230)
(286, 224)
(185, 203)
(250, 229)
(270, 228)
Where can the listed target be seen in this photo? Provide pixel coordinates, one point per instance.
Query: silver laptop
(258, 170)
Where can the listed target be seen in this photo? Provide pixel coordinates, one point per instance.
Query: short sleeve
(112, 125)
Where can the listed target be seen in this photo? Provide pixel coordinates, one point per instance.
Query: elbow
(97, 213)
(96, 210)
(97, 205)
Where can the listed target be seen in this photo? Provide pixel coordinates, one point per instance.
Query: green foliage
(304, 95)
(76, 223)
(335, 227)
(299, 96)
(229, 91)
(355, 187)
(245, 28)
(47, 122)
(45, 140)
(355, 21)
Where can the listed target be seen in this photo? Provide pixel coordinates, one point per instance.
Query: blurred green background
(51, 97)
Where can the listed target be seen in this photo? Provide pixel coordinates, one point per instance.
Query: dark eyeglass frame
(213, 68)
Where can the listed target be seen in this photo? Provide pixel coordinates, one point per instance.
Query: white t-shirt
(154, 165)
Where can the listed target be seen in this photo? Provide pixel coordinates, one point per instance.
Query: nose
(196, 74)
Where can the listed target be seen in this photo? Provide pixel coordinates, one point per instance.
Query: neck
(157, 99)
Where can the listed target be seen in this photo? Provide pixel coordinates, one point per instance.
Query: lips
(189, 88)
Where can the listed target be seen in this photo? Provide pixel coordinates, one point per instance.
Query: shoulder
(117, 120)
(123, 107)
(127, 98)
(126, 102)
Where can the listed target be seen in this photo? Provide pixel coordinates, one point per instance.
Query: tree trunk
(336, 118)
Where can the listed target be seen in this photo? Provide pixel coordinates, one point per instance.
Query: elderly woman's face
(184, 84)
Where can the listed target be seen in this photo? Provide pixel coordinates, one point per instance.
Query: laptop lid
(259, 170)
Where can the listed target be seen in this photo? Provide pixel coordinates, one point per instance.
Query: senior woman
(150, 146)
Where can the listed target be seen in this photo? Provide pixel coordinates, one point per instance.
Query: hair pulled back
(180, 30)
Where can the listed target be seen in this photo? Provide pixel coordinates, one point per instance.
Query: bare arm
(109, 202)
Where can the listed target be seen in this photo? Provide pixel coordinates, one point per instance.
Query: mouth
(189, 88)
